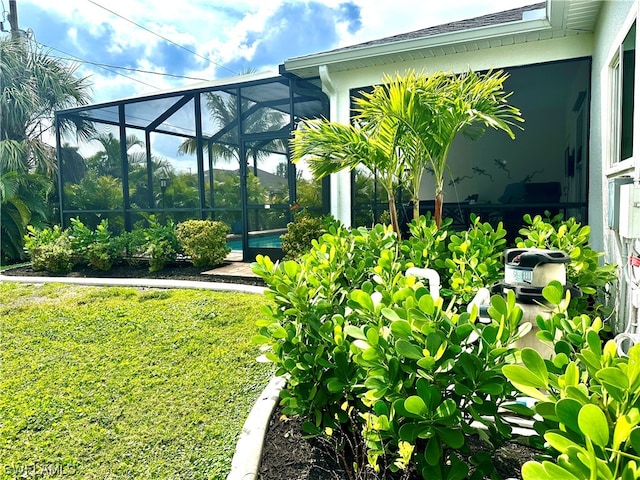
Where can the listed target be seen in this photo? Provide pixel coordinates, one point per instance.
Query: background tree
(106, 162)
(34, 85)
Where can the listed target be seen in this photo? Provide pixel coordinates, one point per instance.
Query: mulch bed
(288, 455)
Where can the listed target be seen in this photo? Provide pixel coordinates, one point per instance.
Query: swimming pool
(262, 241)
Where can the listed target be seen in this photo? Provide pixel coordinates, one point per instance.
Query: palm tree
(34, 85)
(405, 126)
(223, 112)
(467, 103)
(107, 161)
(402, 114)
(330, 147)
(23, 202)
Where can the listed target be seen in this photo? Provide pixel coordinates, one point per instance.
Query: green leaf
(363, 299)
(547, 410)
(492, 388)
(559, 441)
(291, 268)
(535, 363)
(452, 437)
(446, 409)
(578, 392)
(500, 305)
(593, 424)
(519, 375)
(426, 363)
(571, 373)
(433, 452)
(567, 411)
(415, 405)
(595, 342)
(372, 336)
(334, 385)
(519, 409)
(458, 471)
(408, 349)
(634, 438)
(553, 293)
(260, 339)
(355, 332)
(426, 304)
(545, 471)
(613, 376)
(621, 431)
(409, 432)
(401, 328)
(390, 314)
(277, 331)
(633, 369)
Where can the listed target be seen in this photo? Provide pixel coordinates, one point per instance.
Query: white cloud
(227, 33)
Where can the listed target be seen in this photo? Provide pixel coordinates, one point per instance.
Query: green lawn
(101, 383)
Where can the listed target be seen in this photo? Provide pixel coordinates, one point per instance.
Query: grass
(100, 383)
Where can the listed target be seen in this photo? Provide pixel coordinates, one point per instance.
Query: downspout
(340, 183)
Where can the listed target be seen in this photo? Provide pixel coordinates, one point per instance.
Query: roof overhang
(559, 18)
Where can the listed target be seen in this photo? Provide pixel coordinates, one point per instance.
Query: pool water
(266, 241)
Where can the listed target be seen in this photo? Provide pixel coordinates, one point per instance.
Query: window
(623, 75)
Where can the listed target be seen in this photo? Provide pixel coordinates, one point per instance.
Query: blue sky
(227, 37)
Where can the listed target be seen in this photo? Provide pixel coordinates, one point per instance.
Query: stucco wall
(615, 20)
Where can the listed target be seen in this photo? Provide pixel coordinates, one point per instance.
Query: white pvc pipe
(624, 341)
(432, 277)
(483, 297)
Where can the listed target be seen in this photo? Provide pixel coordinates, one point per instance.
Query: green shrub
(49, 249)
(95, 248)
(426, 245)
(429, 375)
(302, 232)
(80, 237)
(161, 244)
(373, 361)
(589, 401)
(466, 261)
(205, 241)
(132, 245)
(475, 261)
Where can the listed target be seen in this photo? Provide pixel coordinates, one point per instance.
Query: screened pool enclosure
(215, 151)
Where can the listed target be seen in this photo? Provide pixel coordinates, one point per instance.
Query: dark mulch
(288, 455)
(176, 271)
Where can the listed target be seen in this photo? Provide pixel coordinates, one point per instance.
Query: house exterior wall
(615, 20)
(337, 86)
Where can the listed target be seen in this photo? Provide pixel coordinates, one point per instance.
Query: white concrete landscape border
(246, 459)
(138, 282)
